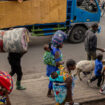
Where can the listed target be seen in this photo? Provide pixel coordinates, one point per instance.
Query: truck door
(86, 11)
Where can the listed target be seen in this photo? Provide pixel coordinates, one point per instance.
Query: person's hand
(103, 50)
(61, 62)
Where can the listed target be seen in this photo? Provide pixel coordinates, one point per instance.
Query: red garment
(6, 81)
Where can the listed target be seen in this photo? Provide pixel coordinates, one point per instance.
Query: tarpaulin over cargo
(15, 40)
(31, 12)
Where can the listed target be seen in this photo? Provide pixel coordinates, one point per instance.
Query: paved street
(32, 62)
(33, 68)
(37, 89)
(34, 71)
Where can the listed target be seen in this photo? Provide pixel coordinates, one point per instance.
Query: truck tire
(77, 34)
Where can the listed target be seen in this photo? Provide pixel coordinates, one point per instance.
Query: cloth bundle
(6, 82)
(49, 59)
(58, 38)
(15, 40)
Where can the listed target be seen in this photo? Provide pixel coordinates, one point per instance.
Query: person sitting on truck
(91, 42)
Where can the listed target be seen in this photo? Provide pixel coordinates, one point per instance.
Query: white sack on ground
(15, 40)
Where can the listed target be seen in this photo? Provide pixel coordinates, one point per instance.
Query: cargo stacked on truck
(44, 17)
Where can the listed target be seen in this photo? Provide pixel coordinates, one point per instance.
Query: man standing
(91, 42)
(15, 63)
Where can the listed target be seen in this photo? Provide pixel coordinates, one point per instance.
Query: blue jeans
(97, 77)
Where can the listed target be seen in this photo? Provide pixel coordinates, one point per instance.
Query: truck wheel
(77, 34)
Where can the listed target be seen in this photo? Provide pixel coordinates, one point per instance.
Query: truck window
(88, 5)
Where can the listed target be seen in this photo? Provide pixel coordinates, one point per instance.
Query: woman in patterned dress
(57, 44)
(63, 83)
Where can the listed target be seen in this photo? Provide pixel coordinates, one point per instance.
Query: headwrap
(6, 81)
(58, 38)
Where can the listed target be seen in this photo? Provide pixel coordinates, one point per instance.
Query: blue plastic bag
(99, 29)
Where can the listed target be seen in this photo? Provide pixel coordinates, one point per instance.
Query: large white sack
(16, 40)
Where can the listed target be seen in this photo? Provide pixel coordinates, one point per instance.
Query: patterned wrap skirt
(60, 92)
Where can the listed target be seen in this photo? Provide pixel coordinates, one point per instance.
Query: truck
(44, 17)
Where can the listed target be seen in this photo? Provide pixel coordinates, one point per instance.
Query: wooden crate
(31, 12)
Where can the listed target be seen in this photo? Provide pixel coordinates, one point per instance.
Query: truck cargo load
(31, 12)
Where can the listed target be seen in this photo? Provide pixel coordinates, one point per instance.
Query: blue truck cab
(80, 15)
(84, 14)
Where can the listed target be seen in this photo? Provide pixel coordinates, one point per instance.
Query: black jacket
(90, 41)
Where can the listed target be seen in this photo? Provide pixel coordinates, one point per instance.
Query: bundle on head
(14, 40)
(58, 38)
